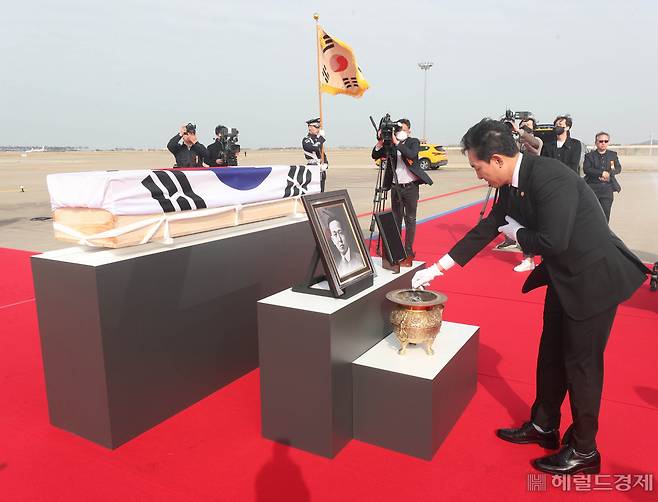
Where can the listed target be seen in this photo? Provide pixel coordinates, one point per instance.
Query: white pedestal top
(416, 362)
(329, 305)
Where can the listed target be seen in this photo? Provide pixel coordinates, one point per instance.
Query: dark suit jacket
(569, 154)
(593, 167)
(590, 267)
(409, 149)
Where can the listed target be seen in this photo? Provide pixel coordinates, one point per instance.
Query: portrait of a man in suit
(588, 271)
(346, 255)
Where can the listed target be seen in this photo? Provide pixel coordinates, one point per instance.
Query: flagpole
(316, 16)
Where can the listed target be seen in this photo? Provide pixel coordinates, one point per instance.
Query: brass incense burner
(417, 316)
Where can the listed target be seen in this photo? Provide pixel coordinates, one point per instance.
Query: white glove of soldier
(321, 133)
(511, 228)
(423, 277)
(324, 166)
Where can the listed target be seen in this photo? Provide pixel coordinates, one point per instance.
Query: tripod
(389, 161)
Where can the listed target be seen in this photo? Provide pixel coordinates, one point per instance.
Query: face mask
(401, 135)
(559, 130)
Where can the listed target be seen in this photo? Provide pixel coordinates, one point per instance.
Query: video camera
(230, 145)
(190, 128)
(388, 128)
(511, 116)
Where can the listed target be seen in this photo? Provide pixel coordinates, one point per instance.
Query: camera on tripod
(230, 145)
(388, 128)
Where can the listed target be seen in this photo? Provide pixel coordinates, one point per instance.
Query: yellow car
(432, 156)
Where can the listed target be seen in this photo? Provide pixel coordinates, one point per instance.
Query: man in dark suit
(551, 212)
(601, 167)
(564, 148)
(403, 176)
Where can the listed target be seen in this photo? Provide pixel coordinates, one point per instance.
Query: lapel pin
(522, 194)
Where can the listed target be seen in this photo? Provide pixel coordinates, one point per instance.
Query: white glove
(423, 277)
(324, 166)
(321, 132)
(511, 228)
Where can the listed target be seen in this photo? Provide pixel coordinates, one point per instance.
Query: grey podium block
(132, 336)
(409, 403)
(306, 346)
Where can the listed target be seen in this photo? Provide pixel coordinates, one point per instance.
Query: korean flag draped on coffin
(171, 190)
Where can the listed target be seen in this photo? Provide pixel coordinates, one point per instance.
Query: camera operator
(404, 182)
(216, 152)
(564, 148)
(189, 154)
(313, 151)
(601, 167)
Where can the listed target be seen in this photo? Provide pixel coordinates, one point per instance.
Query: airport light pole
(425, 66)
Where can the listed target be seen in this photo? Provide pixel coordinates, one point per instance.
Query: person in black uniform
(313, 149)
(404, 186)
(601, 167)
(564, 148)
(216, 155)
(190, 153)
(550, 211)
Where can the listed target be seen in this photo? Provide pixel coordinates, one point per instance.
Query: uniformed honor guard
(313, 151)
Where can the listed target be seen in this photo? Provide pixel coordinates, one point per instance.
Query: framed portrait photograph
(339, 240)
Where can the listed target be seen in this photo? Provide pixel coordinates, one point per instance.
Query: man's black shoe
(569, 461)
(527, 433)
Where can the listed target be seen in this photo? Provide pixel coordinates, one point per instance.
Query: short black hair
(489, 137)
(218, 129)
(568, 120)
(405, 121)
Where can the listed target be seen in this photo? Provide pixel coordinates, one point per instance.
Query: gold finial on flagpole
(316, 16)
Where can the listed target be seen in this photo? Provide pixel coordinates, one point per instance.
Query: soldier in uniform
(313, 152)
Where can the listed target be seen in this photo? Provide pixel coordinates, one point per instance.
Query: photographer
(216, 152)
(601, 167)
(189, 154)
(312, 145)
(564, 148)
(403, 176)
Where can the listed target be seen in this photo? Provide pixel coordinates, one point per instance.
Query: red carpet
(213, 450)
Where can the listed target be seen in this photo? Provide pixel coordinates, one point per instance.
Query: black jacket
(216, 155)
(590, 267)
(312, 146)
(593, 167)
(569, 154)
(187, 157)
(409, 149)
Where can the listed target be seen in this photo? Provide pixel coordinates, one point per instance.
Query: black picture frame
(339, 241)
(390, 235)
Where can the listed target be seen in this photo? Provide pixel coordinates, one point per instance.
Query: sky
(128, 73)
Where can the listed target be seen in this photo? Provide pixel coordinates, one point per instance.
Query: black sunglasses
(603, 140)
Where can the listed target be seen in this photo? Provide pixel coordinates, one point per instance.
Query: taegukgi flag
(340, 73)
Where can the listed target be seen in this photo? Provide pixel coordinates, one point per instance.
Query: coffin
(126, 208)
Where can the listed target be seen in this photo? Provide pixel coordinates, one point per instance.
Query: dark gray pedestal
(132, 336)
(307, 344)
(409, 403)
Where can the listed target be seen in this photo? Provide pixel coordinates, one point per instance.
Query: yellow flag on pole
(340, 73)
